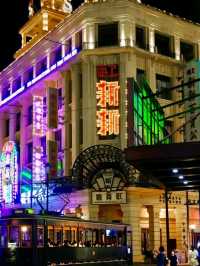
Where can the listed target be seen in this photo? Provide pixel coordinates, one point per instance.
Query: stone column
(127, 30)
(89, 102)
(198, 49)
(2, 131)
(181, 227)
(89, 36)
(151, 39)
(12, 124)
(75, 73)
(154, 226)
(151, 74)
(127, 69)
(23, 133)
(67, 166)
(177, 48)
(131, 215)
(73, 41)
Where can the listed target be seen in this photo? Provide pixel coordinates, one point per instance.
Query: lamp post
(47, 168)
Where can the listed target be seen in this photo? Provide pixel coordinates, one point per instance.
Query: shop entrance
(110, 213)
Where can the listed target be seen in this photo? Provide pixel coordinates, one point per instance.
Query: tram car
(41, 240)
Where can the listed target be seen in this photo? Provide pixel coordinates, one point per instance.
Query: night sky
(15, 12)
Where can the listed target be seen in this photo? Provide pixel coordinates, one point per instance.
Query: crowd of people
(88, 243)
(163, 260)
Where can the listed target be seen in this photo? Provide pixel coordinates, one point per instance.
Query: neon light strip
(40, 76)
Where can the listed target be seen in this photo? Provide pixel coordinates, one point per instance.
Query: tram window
(67, 234)
(40, 236)
(51, 233)
(14, 235)
(26, 236)
(3, 236)
(58, 236)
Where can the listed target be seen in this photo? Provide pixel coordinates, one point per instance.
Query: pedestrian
(161, 257)
(173, 259)
(193, 257)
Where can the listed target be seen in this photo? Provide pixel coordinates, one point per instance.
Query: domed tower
(50, 13)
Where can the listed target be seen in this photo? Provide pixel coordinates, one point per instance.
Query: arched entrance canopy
(94, 159)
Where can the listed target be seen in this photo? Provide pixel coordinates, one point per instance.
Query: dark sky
(14, 13)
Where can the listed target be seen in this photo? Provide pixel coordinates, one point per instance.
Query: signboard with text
(109, 197)
(192, 128)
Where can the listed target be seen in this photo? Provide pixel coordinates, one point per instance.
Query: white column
(154, 226)
(23, 134)
(89, 36)
(48, 60)
(198, 49)
(12, 124)
(127, 30)
(75, 111)
(151, 74)
(73, 41)
(177, 47)
(89, 102)
(2, 131)
(181, 227)
(67, 166)
(131, 215)
(127, 69)
(151, 39)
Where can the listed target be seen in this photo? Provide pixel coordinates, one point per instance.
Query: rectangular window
(108, 34)
(58, 53)
(28, 76)
(43, 144)
(5, 92)
(78, 40)
(60, 101)
(16, 84)
(30, 115)
(7, 122)
(58, 139)
(18, 119)
(163, 44)
(98, 197)
(141, 37)
(41, 66)
(68, 46)
(29, 152)
(140, 75)
(163, 83)
(187, 51)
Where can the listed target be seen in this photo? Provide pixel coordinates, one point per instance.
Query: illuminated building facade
(67, 91)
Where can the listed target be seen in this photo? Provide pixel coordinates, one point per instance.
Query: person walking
(161, 257)
(173, 259)
(193, 257)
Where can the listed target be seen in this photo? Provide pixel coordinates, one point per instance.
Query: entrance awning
(175, 166)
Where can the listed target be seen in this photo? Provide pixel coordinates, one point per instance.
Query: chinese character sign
(38, 120)
(108, 116)
(192, 128)
(9, 183)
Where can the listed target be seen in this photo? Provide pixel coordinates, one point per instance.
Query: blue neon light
(40, 76)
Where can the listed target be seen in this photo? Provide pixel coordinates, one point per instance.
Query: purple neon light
(8, 174)
(50, 70)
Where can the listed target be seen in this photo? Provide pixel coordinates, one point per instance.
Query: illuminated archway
(9, 174)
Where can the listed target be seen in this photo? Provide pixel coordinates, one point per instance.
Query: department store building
(66, 91)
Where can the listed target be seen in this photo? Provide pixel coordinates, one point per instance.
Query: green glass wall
(146, 117)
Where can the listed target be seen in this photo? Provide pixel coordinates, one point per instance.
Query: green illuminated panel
(149, 125)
